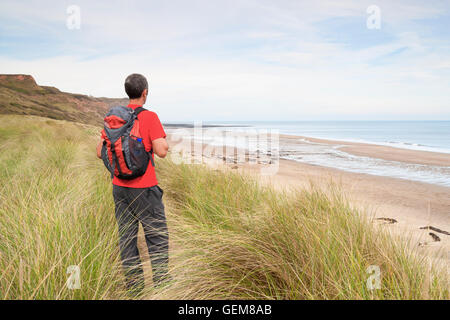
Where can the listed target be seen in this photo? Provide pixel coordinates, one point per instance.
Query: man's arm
(160, 147)
(99, 148)
(157, 135)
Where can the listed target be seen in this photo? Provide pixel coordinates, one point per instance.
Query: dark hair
(135, 84)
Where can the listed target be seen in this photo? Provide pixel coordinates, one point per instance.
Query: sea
(433, 136)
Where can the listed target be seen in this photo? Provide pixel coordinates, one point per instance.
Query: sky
(242, 60)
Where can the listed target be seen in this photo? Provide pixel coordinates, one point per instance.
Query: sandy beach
(402, 206)
(381, 152)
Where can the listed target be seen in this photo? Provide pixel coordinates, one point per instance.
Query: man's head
(136, 87)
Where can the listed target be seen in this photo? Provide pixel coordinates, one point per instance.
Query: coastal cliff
(20, 94)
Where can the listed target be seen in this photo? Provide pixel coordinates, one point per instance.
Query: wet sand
(380, 152)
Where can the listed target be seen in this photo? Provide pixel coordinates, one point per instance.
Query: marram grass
(237, 240)
(229, 237)
(56, 211)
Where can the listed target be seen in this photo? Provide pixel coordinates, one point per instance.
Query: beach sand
(380, 152)
(412, 205)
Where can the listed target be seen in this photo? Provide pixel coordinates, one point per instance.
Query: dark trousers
(145, 205)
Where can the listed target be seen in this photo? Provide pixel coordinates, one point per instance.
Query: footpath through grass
(230, 237)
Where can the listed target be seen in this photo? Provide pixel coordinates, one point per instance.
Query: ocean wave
(393, 144)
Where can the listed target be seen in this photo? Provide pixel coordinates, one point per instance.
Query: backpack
(123, 151)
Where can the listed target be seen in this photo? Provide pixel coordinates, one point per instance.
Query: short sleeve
(103, 134)
(156, 130)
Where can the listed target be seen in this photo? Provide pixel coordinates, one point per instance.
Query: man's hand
(99, 148)
(160, 147)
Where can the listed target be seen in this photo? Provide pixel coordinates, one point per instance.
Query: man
(140, 199)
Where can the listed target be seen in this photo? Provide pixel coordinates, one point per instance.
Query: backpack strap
(150, 153)
(137, 111)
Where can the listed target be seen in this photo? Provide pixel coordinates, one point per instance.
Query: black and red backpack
(123, 151)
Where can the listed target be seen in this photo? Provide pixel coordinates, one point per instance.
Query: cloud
(240, 60)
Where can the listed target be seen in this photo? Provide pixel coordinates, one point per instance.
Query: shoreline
(357, 157)
(432, 150)
(379, 151)
(364, 149)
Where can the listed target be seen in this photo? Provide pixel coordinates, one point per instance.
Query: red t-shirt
(150, 129)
